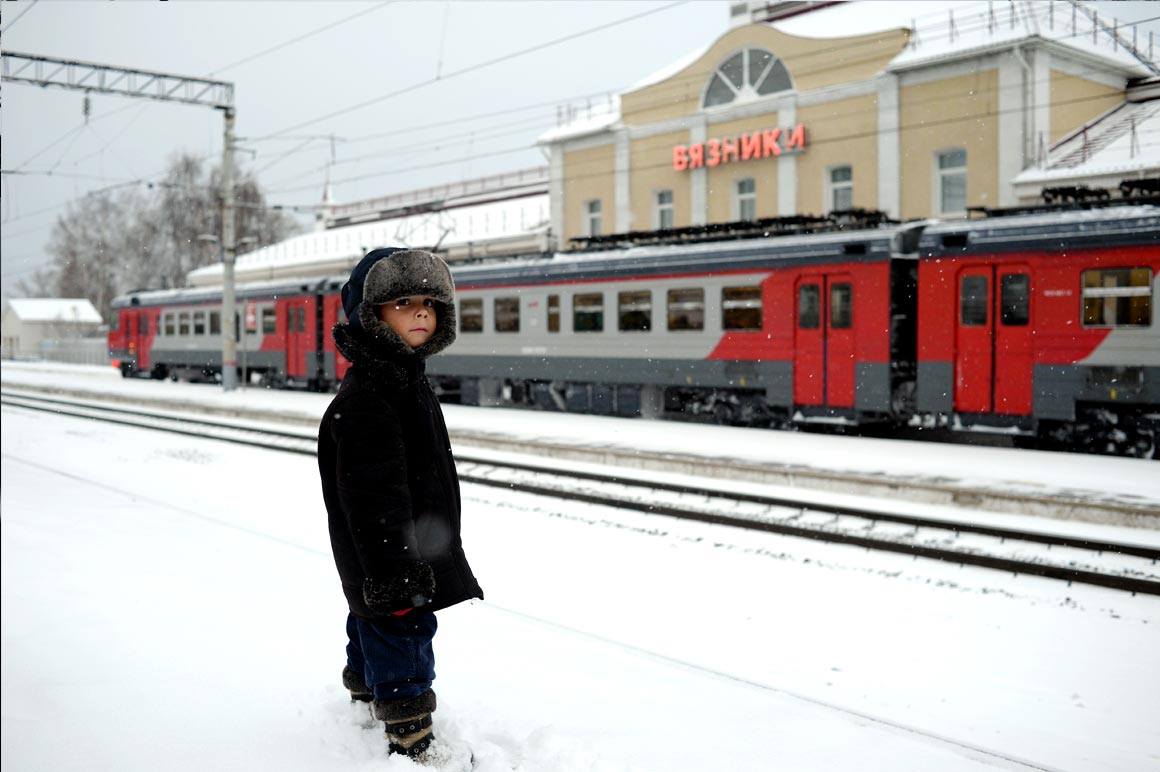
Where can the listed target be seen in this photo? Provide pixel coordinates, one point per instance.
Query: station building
(789, 112)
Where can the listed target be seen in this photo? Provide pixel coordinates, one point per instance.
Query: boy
(390, 487)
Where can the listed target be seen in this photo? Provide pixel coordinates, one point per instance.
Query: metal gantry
(92, 77)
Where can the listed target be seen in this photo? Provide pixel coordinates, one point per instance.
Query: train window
(973, 301)
(199, 323)
(741, 308)
(809, 307)
(553, 313)
(687, 309)
(1015, 299)
(507, 314)
(215, 322)
(841, 306)
(588, 312)
(115, 322)
(635, 310)
(143, 321)
(170, 325)
(269, 321)
(1117, 297)
(183, 323)
(471, 315)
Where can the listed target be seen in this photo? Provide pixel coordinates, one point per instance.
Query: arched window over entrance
(746, 75)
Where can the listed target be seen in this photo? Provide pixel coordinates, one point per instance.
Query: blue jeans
(393, 654)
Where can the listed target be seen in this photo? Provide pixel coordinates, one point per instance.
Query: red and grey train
(1036, 322)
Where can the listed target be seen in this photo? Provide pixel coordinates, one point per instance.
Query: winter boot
(357, 685)
(408, 724)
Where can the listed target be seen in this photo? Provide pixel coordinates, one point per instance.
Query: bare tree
(107, 243)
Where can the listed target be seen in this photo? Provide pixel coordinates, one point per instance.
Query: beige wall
(838, 134)
(1075, 101)
(588, 174)
(812, 63)
(650, 160)
(959, 112)
(722, 180)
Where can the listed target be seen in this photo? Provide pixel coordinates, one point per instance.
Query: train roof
(1048, 230)
(264, 289)
(867, 245)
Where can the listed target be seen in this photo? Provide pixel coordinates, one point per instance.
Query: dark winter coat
(388, 476)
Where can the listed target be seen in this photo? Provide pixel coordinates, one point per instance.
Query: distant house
(27, 322)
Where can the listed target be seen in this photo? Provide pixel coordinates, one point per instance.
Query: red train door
(823, 368)
(974, 347)
(809, 350)
(1013, 346)
(299, 336)
(839, 341)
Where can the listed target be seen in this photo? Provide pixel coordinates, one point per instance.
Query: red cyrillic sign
(767, 143)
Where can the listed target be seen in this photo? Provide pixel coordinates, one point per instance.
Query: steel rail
(1125, 583)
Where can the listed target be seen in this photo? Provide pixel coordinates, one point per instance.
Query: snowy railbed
(171, 603)
(1128, 482)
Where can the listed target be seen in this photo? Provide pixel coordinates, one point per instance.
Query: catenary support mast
(165, 87)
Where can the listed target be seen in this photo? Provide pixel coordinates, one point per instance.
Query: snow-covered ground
(170, 603)
(1131, 482)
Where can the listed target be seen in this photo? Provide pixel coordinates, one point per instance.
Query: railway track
(1132, 568)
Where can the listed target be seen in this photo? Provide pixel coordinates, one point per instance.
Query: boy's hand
(412, 584)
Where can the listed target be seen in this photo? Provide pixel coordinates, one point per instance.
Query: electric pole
(165, 87)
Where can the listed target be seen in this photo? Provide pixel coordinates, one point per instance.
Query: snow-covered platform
(171, 603)
(1103, 489)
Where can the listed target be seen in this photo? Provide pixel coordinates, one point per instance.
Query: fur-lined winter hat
(390, 273)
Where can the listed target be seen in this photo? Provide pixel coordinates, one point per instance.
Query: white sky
(391, 46)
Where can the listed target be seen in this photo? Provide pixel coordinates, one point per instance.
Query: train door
(129, 320)
(299, 336)
(823, 371)
(1013, 343)
(993, 346)
(974, 341)
(142, 339)
(809, 350)
(839, 341)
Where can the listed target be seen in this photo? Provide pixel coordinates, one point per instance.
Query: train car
(1041, 324)
(177, 333)
(807, 327)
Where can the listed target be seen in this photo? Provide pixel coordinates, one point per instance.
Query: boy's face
(413, 318)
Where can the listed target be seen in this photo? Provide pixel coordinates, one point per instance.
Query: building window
(687, 309)
(747, 74)
(635, 310)
(1015, 299)
(588, 312)
(592, 217)
(471, 315)
(841, 183)
(507, 314)
(841, 306)
(553, 313)
(745, 195)
(952, 182)
(741, 308)
(973, 301)
(664, 209)
(269, 321)
(1117, 297)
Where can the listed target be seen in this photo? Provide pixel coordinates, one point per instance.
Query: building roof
(60, 310)
(940, 32)
(1124, 142)
(472, 222)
